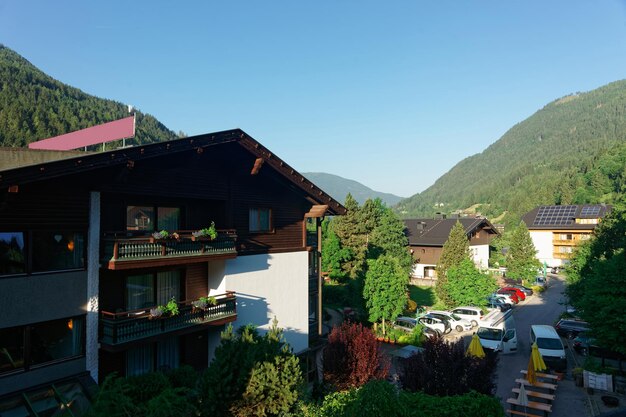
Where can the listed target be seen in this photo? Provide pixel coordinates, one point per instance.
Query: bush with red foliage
(444, 369)
(353, 357)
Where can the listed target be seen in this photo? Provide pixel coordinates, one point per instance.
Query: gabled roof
(31, 170)
(563, 217)
(435, 232)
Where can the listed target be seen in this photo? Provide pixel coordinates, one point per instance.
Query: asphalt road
(544, 308)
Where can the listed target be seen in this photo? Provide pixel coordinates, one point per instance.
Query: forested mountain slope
(34, 106)
(571, 151)
(339, 187)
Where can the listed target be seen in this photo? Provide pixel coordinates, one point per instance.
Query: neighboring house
(80, 271)
(556, 230)
(427, 237)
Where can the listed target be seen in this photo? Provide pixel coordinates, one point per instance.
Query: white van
(550, 346)
(497, 332)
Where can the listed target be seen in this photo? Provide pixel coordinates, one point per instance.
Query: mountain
(35, 106)
(572, 151)
(338, 188)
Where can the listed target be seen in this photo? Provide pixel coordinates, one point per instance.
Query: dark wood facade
(209, 178)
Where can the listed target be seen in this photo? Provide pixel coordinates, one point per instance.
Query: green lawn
(423, 296)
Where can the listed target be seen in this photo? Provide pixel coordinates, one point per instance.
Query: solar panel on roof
(590, 211)
(554, 215)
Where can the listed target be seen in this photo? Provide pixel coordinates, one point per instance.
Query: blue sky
(392, 94)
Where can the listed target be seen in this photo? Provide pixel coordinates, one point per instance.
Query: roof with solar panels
(567, 217)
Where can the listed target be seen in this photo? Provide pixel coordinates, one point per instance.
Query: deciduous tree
(468, 286)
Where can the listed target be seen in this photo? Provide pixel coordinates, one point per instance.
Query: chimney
(439, 216)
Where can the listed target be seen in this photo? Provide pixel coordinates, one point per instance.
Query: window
(162, 355)
(48, 251)
(566, 236)
(41, 343)
(12, 253)
(57, 251)
(148, 290)
(62, 398)
(260, 220)
(311, 226)
(56, 340)
(149, 219)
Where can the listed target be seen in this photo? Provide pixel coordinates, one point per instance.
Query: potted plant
(203, 303)
(163, 235)
(156, 312)
(208, 233)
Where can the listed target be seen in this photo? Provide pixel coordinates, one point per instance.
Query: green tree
(227, 384)
(455, 250)
(521, 261)
(388, 238)
(596, 277)
(334, 255)
(385, 289)
(351, 231)
(468, 286)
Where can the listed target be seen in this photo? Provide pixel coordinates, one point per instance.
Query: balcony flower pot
(156, 312)
(206, 234)
(163, 236)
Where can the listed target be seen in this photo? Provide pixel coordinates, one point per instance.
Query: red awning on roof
(107, 132)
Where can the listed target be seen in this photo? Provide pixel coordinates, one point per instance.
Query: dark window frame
(155, 210)
(28, 348)
(29, 252)
(270, 222)
(154, 272)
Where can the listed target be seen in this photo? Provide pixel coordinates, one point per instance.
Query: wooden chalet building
(427, 237)
(81, 273)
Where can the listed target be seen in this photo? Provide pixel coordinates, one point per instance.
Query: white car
(458, 323)
(472, 314)
(435, 323)
(507, 298)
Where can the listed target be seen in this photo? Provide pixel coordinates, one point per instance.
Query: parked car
(473, 314)
(406, 324)
(541, 281)
(429, 333)
(587, 345)
(509, 296)
(520, 294)
(437, 324)
(527, 291)
(456, 322)
(570, 328)
(499, 303)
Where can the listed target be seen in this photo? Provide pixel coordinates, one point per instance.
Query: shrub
(537, 289)
(353, 357)
(411, 307)
(444, 369)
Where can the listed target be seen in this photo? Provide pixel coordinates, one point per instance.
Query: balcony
(120, 329)
(123, 252)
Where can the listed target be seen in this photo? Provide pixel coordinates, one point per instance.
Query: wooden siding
(426, 254)
(44, 206)
(196, 281)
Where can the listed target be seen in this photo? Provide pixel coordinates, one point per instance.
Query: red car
(511, 294)
(520, 294)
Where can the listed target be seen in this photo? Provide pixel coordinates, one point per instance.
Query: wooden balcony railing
(123, 252)
(129, 326)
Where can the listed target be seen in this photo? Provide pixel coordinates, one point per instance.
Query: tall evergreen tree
(351, 231)
(521, 261)
(333, 253)
(388, 238)
(454, 252)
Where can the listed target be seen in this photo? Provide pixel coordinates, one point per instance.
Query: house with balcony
(427, 237)
(85, 261)
(556, 230)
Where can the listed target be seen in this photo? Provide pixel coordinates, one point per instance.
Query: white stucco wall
(542, 239)
(93, 279)
(271, 285)
(480, 256)
(418, 270)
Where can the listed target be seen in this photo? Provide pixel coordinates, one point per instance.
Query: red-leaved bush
(353, 357)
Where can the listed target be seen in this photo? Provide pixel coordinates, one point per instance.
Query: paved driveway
(544, 308)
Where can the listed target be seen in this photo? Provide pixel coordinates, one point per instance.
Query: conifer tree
(351, 230)
(455, 250)
(389, 238)
(521, 261)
